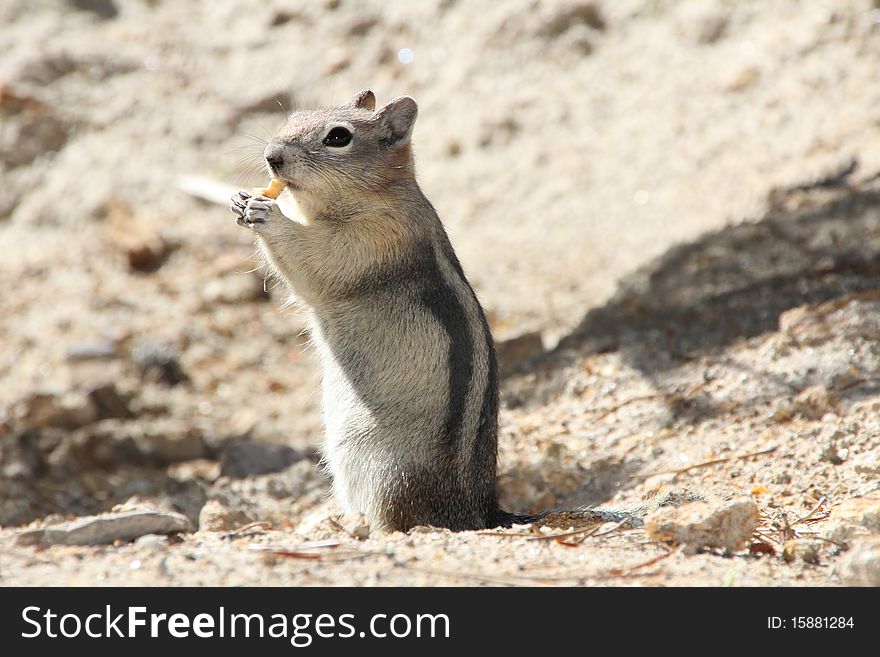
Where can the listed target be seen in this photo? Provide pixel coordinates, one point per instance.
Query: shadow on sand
(815, 242)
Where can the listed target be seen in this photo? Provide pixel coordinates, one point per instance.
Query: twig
(619, 572)
(787, 532)
(314, 550)
(842, 546)
(312, 545)
(534, 535)
(822, 501)
(764, 537)
(614, 529)
(589, 531)
(249, 526)
(531, 533)
(646, 475)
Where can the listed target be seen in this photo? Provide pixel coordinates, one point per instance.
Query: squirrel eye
(337, 138)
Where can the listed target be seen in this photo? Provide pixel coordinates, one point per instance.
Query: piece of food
(272, 191)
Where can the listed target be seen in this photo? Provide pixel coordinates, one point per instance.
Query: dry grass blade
(532, 533)
(259, 525)
(786, 531)
(325, 550)
(705, 464)
(586, 531)
(595, 533)
(621, 572)
(809, 516)
(842, 546)
(613, 529)
(584, 535)
(763, 537)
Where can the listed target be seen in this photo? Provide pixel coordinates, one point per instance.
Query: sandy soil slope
(681, 199)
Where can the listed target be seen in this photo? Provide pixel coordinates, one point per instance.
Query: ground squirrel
(410, 383)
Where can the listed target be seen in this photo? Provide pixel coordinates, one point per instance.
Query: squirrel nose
(274, 155)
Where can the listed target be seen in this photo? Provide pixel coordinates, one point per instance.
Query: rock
(284, 16)
(702, 24)
(151, 541)
(814, 402)
(841, 532)
(335, 60)
(867, 463)
(802, 326)
(145, 257)
(569, 15)
(42, 410)
(145, 248)
(31, 128)
(833, 454)
(46, 68)
(361, 25)
(101, 350)
(21, 457)
(218, 517)
(18, 504)
(742, 78)
(158, 363)
(860, 511)
(728, 525)
(799, 549)
(106, 528)
(861, 565)
(243, 458)
(578, 40)
(205, 469)
(782, 411)
(103, 9)
(294, 481)
(109, 403)
(853, 316)
(515, 350)
(105, 445)
(171, 441)
(356, 526)
(676, 496)
(173, 448)
(157, 442)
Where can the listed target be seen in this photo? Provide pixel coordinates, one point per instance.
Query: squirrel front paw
(254, 211)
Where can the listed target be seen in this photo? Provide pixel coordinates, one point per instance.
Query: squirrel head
(330, 158)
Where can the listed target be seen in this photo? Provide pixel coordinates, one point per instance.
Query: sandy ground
(661, 191)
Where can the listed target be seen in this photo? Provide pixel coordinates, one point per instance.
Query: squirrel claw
(252, 211)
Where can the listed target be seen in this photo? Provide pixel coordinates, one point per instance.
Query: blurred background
(565, 144)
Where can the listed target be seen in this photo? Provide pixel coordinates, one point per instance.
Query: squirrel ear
(365, 99)
(396, 121)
